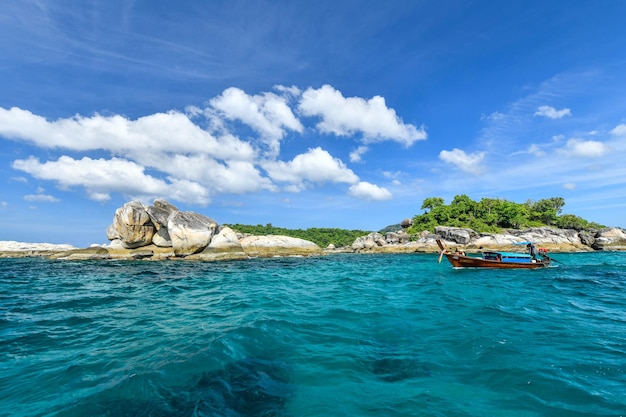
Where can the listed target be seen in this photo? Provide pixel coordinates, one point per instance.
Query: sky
(303, 114)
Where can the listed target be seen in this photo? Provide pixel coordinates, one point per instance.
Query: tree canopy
(320, 236)
(491, 215)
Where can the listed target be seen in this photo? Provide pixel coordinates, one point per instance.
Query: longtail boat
(495, 259)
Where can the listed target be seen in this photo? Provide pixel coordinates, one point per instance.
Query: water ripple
(340, 335)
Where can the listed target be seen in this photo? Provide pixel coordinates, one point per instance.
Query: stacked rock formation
(162, 231)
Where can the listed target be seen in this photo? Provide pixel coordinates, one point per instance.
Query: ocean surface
(341, 335)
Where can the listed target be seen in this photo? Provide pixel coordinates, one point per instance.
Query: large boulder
(587, 238)
(159, 216)
(112, 233)
(406, 223)
(224, 246)
(160, 212)
(277, 245)
(397, 238)
(610, 239)
(190, 232)
(132, 225)
(458, 235)
(548, 235)
(162, 238)
(368, 242)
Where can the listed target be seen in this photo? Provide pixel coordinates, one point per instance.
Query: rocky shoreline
(161, 231)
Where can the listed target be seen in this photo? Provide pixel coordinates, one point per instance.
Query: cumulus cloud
(552, 113)
(195, 154)
(586, 149)
(355, 155)
(235, 177)
(268, 114)
(346, 116)
(366, 191)
(316, 165)
(470, 163)
(100, 177)
(159, 134)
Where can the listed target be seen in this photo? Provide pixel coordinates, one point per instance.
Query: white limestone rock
(224, 246)
(278, 245)
(133, 225)
(162, 238)
(190, 232)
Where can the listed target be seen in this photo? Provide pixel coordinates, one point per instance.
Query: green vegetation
(491, 215)
(320, 236)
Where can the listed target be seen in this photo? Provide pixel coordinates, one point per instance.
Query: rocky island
(162, 231)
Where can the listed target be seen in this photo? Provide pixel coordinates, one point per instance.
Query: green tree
(462, 209)
(511, 215)
(546, 210)
(432, 203)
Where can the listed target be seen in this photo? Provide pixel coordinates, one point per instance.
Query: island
(161, 231)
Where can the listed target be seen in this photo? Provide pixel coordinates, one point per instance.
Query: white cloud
(535, 150)
(41, 198)
(493, 117)
(151, 138)
(586, 149)
(619, 130)
(4, 204)
(366, 191)
(552, 113)
(101, 177)
(394, 177)
(470, 163)
(174, 155)
(316, 165)
(346, 116)
(355, 155)
(220, 177)
(569, 186)
(268, 114)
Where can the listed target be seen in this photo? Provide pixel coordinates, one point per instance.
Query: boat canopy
(507, 254)
(523, 243)
(507, 257)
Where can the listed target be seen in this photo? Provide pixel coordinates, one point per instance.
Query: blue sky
(306, 113)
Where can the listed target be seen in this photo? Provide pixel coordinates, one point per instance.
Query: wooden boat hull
(460, 260)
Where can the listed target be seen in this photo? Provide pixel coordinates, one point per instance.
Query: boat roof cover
(510, 254)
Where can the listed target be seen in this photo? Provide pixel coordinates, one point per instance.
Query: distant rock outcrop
(609, 239)
(568, 240)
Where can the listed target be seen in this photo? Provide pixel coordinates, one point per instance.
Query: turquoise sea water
(344, 335)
